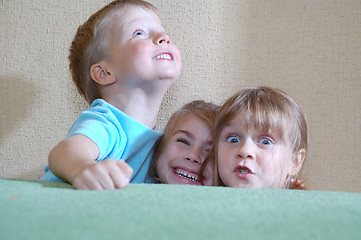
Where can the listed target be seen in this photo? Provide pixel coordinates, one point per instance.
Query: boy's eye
(265, 141)
(233, 139)
(139, 33)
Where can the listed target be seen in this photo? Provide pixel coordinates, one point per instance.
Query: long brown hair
(206, 111)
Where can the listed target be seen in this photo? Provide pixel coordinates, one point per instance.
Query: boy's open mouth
(163, 56)
(187, 175)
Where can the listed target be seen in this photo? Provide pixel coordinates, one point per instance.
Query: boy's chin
(170, 76)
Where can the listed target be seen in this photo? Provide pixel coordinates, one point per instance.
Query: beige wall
(311, 49)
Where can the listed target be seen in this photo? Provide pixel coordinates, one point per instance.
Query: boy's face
(252, 158)
(140, 48)
(185, 152)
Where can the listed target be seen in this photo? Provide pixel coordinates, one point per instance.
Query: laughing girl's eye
(233, 139)
(184, 141)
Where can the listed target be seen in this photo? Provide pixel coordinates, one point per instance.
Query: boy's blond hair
(91, 42)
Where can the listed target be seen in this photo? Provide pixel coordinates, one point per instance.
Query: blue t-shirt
(117, 136)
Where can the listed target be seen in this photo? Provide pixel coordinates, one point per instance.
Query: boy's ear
(100, 74)
(297, 162)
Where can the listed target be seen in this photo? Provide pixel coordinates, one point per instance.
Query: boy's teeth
(187, 175)
(164, 56)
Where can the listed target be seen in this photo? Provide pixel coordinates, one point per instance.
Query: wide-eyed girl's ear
(297, 162)
(101, 75)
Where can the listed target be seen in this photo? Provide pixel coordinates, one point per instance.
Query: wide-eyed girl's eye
(265, 141)
(233, 139)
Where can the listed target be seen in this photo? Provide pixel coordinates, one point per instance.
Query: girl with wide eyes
(260, 140)
(181, 150)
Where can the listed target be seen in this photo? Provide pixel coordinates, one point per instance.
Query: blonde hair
(265, 108)
(206, 111)
(91, 42)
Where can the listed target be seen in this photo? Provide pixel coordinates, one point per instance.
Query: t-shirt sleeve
(103, 128)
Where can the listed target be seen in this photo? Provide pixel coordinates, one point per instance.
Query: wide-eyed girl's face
(252, 158)
(186, 150)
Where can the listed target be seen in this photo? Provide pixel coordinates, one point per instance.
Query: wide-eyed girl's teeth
(187, 175)
(243, 170)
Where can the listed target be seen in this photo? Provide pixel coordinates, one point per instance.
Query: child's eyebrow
(184, 132)
(227, 126)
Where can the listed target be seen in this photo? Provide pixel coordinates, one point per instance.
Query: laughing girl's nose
(194, 157)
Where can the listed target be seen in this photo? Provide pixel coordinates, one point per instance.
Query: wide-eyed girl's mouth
(243, 171)
(187, 175)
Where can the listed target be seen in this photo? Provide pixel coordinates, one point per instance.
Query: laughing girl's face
(182, 158)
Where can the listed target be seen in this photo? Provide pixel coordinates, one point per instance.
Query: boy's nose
(162, 38)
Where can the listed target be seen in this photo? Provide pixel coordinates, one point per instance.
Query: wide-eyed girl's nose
(246, 150)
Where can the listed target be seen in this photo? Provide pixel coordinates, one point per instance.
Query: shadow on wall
(16, 97)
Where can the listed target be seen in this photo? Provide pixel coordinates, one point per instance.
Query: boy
(122, 63)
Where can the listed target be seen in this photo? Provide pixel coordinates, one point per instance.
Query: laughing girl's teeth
(187, 175)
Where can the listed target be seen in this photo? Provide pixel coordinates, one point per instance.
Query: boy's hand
(107, 174)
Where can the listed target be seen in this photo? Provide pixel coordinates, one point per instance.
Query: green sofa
(52, 210)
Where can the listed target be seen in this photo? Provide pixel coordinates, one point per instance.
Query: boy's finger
(119, 178)
(106, 182)
(99, 178)
(121, 174)
(125, 168)
(89, 184)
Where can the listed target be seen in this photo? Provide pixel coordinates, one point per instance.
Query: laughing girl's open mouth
(187, 175)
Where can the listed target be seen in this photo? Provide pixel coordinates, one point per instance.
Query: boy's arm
(73, 160)
(71, 156)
